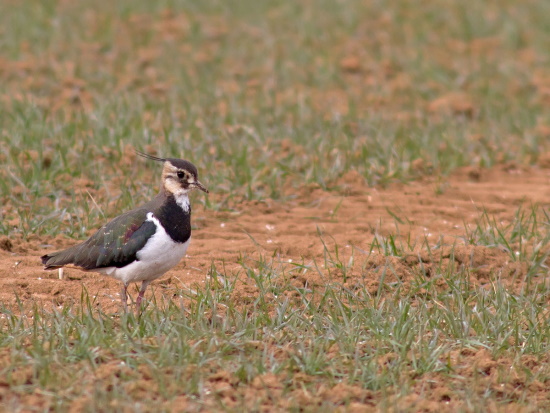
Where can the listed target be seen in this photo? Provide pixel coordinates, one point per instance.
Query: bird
(142, 244)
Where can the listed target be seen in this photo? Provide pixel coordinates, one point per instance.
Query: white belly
(159, 254)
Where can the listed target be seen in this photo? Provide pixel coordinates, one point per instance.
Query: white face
(176, 180)
(179, 181)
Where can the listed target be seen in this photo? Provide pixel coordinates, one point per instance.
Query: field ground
(377, 233)
(424, 244)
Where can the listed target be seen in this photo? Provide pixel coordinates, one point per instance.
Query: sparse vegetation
(267, 98)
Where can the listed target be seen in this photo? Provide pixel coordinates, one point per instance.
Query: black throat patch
(176, 221)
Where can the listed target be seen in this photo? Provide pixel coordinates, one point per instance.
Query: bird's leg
(144, 285)
(124, 297)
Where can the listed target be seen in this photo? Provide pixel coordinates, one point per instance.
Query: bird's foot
(139, 298)
(124, 298)
(138, 303)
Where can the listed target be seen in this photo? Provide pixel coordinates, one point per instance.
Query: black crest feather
(152, 157)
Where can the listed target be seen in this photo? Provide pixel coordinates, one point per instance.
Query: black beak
(200, 186)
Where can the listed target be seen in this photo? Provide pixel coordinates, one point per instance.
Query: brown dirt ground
(432, 209)
(437, 209)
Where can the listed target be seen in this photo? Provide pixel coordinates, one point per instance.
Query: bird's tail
(58, 259)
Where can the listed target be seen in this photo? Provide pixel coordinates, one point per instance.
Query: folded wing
(114, 245)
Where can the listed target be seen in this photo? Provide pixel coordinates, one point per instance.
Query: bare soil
(432, 208)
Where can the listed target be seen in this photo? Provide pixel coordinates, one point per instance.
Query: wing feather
(114, 245)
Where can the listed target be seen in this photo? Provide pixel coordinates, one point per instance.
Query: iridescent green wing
(117, 243)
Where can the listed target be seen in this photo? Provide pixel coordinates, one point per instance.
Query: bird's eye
(180, 174)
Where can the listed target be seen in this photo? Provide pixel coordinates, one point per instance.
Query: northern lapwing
(144, 243)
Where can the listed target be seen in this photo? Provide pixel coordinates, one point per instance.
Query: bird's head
(178, 175)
